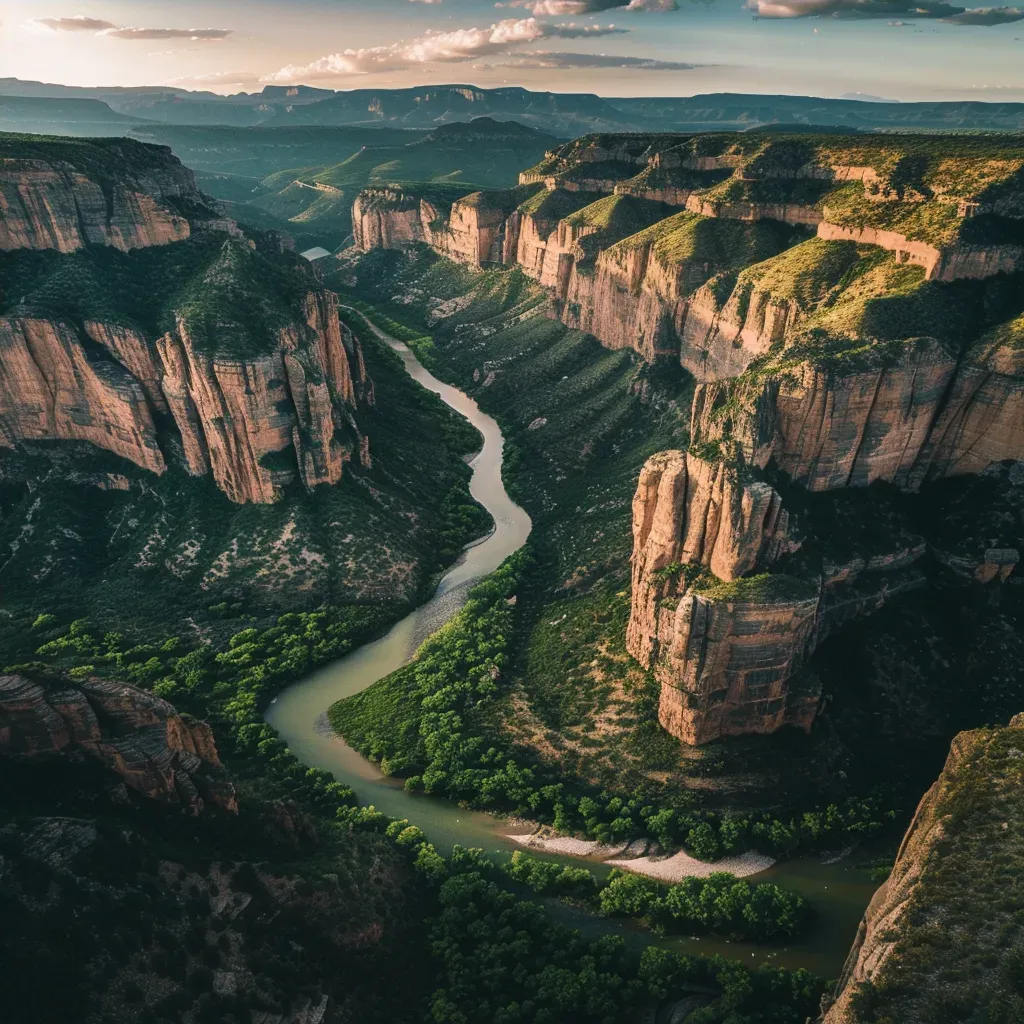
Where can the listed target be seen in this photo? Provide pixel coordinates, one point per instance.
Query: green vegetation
(957, 944)
(423, 723)
(105, 160)
(719, 904)
(162, 554)
(233, 298)
(503, 960)
(697, 248)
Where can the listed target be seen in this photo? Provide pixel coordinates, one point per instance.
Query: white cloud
(100, 27)
(556, 8)
(79, 23)
(456, 45)
(131, 32)
(852, 9)
(559, 61)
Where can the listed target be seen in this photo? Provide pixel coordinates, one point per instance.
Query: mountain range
(79, 110)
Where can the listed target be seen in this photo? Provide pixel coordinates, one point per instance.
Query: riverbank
(839, 892)
(641, 857)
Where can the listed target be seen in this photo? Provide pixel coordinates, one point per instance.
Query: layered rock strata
(947, 907)
(142, 739)
(102, 192)
(255, 423)
(924, 414)
(258, 375)
(806, 283)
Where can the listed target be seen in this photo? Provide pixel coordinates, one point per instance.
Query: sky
(889, 49)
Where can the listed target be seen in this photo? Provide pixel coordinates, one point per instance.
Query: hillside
(563, 114)
(941, 939)
(187, 405)
(485, 152)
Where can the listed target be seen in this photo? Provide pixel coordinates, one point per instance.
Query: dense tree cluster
(720, 903)
(419, 723)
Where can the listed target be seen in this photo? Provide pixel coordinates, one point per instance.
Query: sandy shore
(681, 865)
(566, 845)
(631, 857)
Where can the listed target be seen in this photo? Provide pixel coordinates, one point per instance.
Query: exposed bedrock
(946, 910)
(923, 415)
(155, 751)
(255, 423)
(139, 199)
(50, 390)
(725, 645)
(725, 665)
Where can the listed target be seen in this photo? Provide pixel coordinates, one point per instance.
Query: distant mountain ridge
(564, 114)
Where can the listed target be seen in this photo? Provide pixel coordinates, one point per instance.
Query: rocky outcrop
(470, 230)
(255, 423)
(102, 192)
(252, 421)
(51, 390)
(949, 902)
(725, 665)
(917, 416)
(142, 739)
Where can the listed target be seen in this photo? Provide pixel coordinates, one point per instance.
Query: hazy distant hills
(42, 107)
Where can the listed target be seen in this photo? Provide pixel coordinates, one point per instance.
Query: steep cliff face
(920, 413)
(945, 915)
(65, 195)
(142, 739)
(845, 308)
(725, 664)
(254, 423)
(235, 345)
(50, 390)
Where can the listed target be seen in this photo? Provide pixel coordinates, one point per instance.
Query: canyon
(97, 348)
(849, 308)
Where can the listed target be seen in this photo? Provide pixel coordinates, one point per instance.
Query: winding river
(839, 891)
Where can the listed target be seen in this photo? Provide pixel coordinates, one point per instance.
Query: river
(838, 891)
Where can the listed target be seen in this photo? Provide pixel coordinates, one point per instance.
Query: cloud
(987, 16)
(131, 32)
(215, 78)
(457, 45)
(852, 9)
(545, 59)
(79, 23)
(555, 8)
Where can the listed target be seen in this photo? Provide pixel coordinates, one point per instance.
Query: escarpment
(948, 905)
(65, 195)
(209, 351)
(956, 214)
(850, 308)
(141, 739)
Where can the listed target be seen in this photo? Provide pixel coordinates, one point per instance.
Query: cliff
(66, 194)
(850, 308)
(167, 757)
(937, 940)
(137, 319)
(246, 363)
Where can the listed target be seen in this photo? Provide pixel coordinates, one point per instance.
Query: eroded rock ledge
(156, 751)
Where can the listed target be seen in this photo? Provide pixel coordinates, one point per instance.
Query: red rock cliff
(156, 752)
(119, 193)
